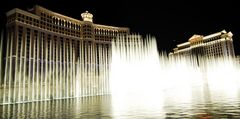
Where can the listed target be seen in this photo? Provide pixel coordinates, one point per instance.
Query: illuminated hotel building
(49, 55)
(214, 45)
(43, 26)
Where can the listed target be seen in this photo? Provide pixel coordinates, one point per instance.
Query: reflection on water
(89, 107)
(203, 103)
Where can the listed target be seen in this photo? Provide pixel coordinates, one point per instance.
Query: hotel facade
(219, 44)
(50, 55)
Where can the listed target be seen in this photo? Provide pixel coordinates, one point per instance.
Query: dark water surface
(198, 105)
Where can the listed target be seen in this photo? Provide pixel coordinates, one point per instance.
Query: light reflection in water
(88, 107)
(103, 107)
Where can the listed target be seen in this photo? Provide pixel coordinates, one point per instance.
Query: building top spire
(86, 16)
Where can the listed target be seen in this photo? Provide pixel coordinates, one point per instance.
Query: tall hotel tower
(51, 56)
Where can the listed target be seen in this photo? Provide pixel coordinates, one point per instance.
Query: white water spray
(131, 67)
(141, 77)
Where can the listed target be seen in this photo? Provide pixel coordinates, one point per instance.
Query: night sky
(171, 22)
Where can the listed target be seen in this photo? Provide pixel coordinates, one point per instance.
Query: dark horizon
(171, 22)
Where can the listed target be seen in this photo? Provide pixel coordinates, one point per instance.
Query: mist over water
(142, 77)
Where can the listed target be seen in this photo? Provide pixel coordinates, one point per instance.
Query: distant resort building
(214, 45)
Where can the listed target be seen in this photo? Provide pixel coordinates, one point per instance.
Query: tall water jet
(130, 66)
(53, 70)
(51, 56)
(1, 82)
(135, 66)
(140, 75)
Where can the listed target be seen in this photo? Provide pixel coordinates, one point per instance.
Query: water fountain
(47, 76)
(142, 82)
(143, 79)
